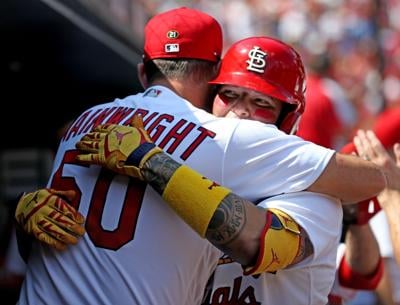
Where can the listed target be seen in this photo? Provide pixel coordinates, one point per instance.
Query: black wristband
(350, 214)
(137, 155)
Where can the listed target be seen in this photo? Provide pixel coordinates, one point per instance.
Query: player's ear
(142, 75)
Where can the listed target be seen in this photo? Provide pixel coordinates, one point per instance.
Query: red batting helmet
(270, 67)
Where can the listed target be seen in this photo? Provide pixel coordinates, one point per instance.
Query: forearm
(362, 250)
(390, 203)
(350, 179)
(362, 266)
(158, 170)
(235, 229)
(234, 225)
(229, 227)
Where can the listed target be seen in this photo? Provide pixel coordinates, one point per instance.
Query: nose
(242, 108)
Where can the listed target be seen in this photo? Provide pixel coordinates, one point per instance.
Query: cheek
(220, 107)
(265, 116)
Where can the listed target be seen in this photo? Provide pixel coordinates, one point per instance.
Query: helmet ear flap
(291, 123)
(289, 118)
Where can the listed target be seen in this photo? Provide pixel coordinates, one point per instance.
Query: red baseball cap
(386, 128)
(183, 33)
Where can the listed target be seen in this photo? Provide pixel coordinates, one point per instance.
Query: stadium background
(58, 57)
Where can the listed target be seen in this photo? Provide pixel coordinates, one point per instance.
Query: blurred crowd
(354, 44)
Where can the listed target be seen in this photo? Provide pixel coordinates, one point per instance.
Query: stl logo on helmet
(256, 61)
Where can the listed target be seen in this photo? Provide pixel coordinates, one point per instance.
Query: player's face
(237, 102)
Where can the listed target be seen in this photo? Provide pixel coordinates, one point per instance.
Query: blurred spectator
(329, 117)
(361, 39)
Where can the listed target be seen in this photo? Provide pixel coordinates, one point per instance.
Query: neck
(195, 93)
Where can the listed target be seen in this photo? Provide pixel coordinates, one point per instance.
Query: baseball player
(368, 144)
(241, 97)
(359, 265)
(359, 262)
(124, 243)
(308, 282)
(389, 199)
(381, 145)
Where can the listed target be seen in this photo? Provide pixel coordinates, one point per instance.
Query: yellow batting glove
(122, 149)
(47, 216)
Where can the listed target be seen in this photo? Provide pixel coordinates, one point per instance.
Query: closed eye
(229, 94)
(264, 103)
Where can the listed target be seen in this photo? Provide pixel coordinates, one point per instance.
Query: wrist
(158, 170)
(133, 165)
(137, 155)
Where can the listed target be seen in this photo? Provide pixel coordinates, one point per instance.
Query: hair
(180, 69)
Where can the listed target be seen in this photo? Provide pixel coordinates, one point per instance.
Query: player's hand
(122, 149)
(47, 216)
(369, 147)
(359, 213)
(389, 198)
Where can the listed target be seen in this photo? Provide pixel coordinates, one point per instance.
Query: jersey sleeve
(262, 161)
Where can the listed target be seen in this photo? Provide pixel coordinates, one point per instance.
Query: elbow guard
(279, 243)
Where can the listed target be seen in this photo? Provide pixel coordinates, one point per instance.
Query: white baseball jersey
(136, 249)
(306, 283)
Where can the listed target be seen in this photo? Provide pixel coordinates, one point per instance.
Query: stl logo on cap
(256, 61)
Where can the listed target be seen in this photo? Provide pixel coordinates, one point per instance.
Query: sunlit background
(60, 57)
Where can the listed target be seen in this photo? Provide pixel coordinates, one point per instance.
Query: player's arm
(361, 266)
(250, 235)
(390, 202)
(352, 179)
(369, 145)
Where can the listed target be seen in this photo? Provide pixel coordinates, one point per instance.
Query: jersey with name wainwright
(136, 249)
